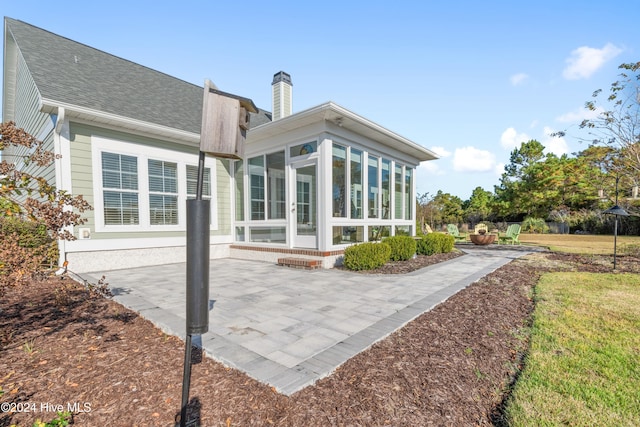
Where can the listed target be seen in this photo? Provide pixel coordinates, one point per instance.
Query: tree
(478, 207)
(516, 193)
(29, 197)
(619, 123)
(447, 208)
(424, 211)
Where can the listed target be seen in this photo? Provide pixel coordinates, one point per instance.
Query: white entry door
(305, 206)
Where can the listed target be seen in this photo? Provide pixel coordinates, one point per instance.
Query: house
(310, 183)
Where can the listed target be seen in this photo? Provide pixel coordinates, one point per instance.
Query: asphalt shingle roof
(73, 73)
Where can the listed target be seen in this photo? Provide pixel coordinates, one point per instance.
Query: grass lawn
(583, 368)
(579, 243)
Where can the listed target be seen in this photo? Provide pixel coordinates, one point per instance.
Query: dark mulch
(63, 344)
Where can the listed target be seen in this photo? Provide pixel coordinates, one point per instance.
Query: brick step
(302, 263)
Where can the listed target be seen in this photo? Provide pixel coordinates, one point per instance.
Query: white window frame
(143, 154)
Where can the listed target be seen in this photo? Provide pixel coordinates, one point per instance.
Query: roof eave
(347, 119)
(114, 121)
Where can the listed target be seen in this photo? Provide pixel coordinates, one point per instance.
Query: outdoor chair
(479, 227)
(452, 229)
(511, 235)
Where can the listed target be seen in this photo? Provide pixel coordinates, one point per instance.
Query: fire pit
(482, 239)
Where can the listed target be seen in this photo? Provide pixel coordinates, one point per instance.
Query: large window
(398, 192)
(339, 176)
(120, 189)
(408, 188)
(385, 186)
(256, 180)
(192, 182)
(373, 187)
(378, 190)
(277, 190)
(356, 184)
(267, 201)
(163, 192)
(238, 169)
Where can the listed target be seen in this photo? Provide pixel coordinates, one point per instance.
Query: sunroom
(317, 181)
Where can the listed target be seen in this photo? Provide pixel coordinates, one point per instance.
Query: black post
(615, 241)
(197, 278)
(186, 381)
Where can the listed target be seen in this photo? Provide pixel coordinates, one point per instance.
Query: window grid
(120, 172)
(192, 182)
(163, 192)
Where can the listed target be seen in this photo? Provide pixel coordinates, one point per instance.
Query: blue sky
(470, 80)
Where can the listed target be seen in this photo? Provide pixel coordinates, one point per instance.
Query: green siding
(28, 117)
(81, 178)
(223, 168)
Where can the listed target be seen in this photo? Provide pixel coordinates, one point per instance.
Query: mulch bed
(63, 344)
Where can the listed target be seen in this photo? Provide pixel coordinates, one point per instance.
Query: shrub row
(367, 256)
(435, 243)
(402, 247)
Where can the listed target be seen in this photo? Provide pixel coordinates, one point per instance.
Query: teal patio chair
(452, 229)
(511, 235)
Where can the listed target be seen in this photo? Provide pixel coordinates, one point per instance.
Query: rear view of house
(310, 183)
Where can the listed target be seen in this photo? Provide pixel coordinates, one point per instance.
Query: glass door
(305, 207)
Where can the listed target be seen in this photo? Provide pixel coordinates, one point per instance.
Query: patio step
(302, 263)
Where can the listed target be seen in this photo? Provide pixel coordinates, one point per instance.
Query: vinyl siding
(223, 193)
(28, 117)
(81, 175)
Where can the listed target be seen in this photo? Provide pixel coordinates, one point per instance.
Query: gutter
(115, 121)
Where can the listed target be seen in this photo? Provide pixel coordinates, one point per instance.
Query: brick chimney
(281, 95)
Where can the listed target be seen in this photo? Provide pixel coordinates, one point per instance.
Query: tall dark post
(197, 278)
(225, 121)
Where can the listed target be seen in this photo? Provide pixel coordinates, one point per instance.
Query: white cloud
(499, 169)
(518, 79)
(511, 139)
(585, 60)
(555, 145)
(471, 159)
(441, 151)
(579, 115)
(431, 167)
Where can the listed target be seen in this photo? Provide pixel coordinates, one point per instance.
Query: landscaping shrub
(435, 243)
(402, 247)
(534, 225)
(366, 256)
(26, 247)
(30, 233)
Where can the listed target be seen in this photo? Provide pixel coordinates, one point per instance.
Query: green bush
(534, 225)
(31, 234)
(402, 247)
(366, 256)
(435, 243)
(27, 249)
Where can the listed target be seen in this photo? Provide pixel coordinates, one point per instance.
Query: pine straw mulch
(63, 344)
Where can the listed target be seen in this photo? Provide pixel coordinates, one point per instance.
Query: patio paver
(288, 327)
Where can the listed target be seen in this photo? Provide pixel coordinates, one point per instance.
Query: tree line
(572, 190)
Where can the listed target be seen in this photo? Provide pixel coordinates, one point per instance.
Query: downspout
(59, 166)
